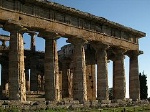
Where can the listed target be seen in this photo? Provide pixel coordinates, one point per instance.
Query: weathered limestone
(119, 84)
(102, 72)
(65, 74)
(51, 70)
(90, 72)
(79, 72)
(17, 90)
(134, 84)
(90, 80)
(70, 83)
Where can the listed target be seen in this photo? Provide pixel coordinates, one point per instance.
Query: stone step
(34, 96)
(35, 99)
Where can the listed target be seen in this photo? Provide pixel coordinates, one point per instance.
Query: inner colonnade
(70, 72)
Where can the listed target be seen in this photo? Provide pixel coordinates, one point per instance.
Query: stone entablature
(75, 17)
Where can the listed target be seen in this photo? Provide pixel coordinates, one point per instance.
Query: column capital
(119, 53)
(14, 27)
(77, 41)
(49, 35)
(32, 33)
(133, 53)
(98, 46)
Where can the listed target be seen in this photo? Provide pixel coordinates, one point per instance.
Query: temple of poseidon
(70, 72)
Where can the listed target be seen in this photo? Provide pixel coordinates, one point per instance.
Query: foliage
(143, 86)
(110, 93)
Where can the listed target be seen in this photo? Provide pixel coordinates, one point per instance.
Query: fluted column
(119, 83)
(134, 84)
(51, 71)
(17, 90)
(91, 83)
(79, 73)
(65, 67)
(102, 71)
(33, 70)
(90, 72)
(32, 45)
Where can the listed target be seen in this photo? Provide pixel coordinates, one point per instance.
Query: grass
(119, 109)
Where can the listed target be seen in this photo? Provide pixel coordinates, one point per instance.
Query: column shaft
(119, 85)
(33, 70)
(65, 92)
(32, 45)
(79, 76)
(91, 85)
(17, 89)
(51, 71)
(102, 76)
(134, 84)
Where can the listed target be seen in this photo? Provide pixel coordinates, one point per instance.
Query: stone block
(14, 103)
(121, 102)
(26, 102)
(128, 100)
(75, 102)
(95, 103)
(75, 106)
(113, 105)
(106, 101)
(87, 104)
(103, 105)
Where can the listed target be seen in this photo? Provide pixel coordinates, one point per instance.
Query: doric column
(90, 72)
(65, 67)
(119, 83)
(134, 84)
(91, 83)
(70, 83)
(33, 70)
(79, 73)
(27, 79)
(32, 45)
(17, 90)
(102, 72)
(51, 71)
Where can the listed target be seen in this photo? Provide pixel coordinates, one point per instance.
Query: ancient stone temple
(70, 72)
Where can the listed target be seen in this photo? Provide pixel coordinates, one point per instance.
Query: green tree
(110, 93)
(143, 86)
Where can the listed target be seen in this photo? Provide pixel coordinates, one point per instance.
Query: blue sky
(131, 13)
